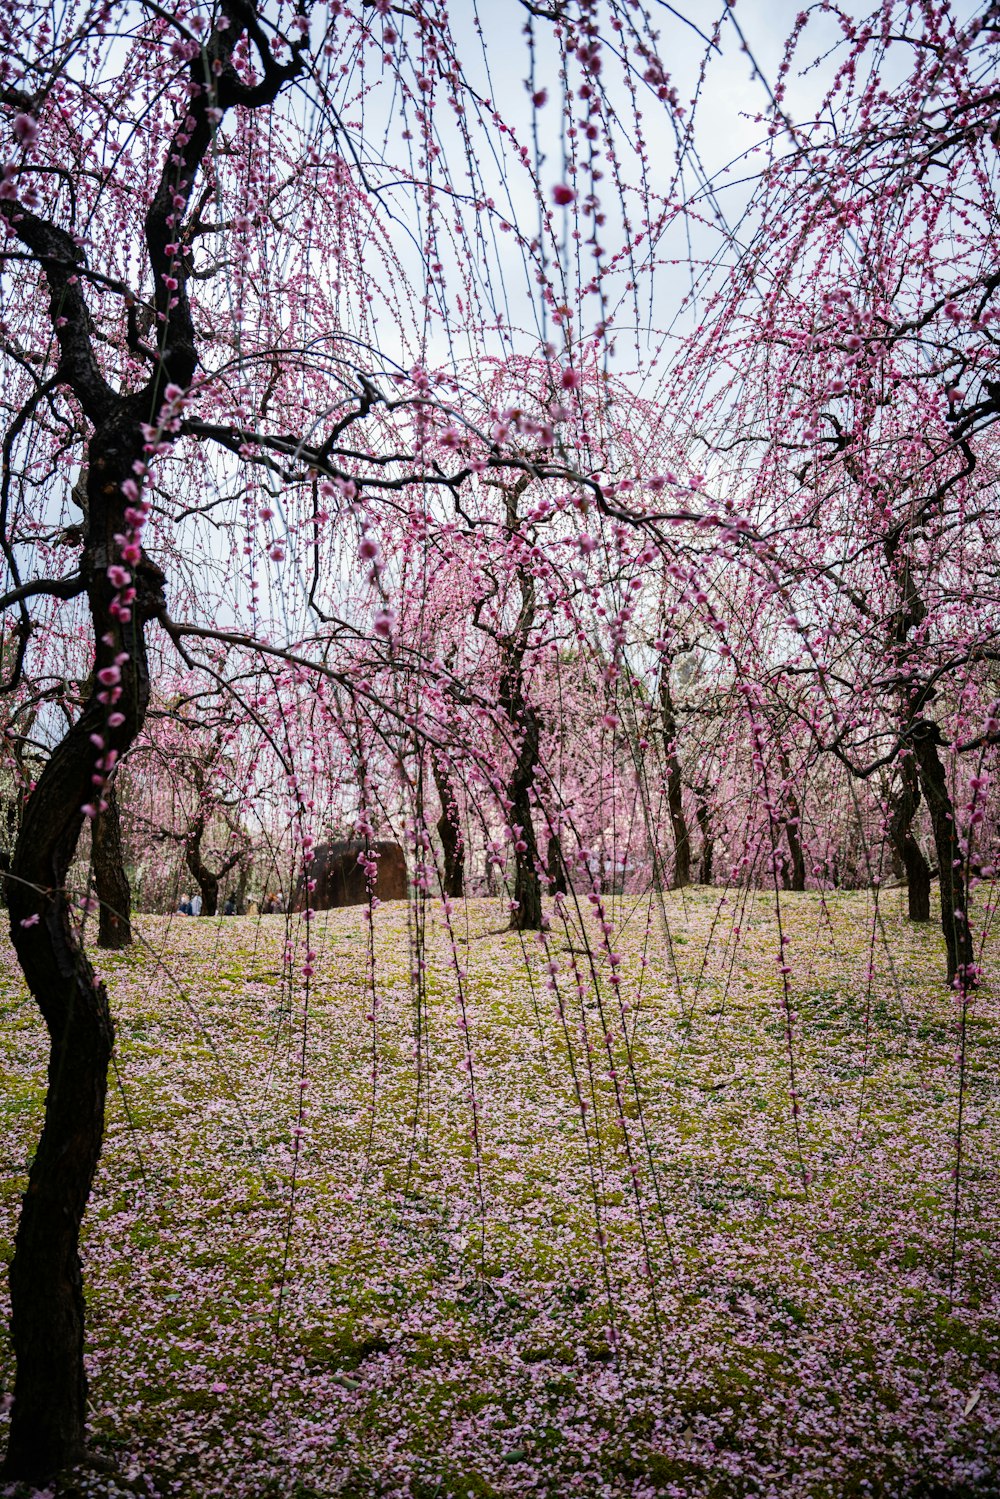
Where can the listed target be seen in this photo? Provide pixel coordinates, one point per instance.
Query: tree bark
(527, 913)
(48, 1417)
(208, 879)
(208, 883)
(675, 784)
(916, 869)
(794, 872)
(796, 867)
(449, 831)
(926, 738)
(707, 843)
(242, 885)
(556, 866)
(114, 926)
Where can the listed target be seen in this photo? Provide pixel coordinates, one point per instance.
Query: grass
(670, 1291)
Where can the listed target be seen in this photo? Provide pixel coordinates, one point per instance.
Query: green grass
(444, 1316)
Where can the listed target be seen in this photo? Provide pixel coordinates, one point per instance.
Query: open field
(522, 1296)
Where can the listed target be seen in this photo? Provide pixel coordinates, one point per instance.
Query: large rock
(341, 880)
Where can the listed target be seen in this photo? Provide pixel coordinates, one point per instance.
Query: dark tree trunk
(48, 1418)
(242, 884)
(114, 927)
(707, 843)
(796, 867)
(794, 872)
(527, 913)
(208, 883)
(675, 784)
(208, 879)
(926, 738)
(556, 866)
(916, 869)
(449, 831)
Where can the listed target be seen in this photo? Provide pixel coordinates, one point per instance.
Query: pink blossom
(25, 130)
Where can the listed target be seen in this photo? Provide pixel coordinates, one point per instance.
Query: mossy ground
(672, 1291)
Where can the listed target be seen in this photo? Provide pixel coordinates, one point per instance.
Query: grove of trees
(411, 434)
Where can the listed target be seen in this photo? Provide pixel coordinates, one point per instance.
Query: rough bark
(915, 868)
(556, 866)
(952, 874)
(794, 870)
(526, 915)
(707, 842)
(48, 1418)
(242, 885)
(114, 926)
(674, 784)
(449, 829)
(208, 880)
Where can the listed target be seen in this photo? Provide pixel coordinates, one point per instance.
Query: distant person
(229, 909)
(195, 906)
(185, 906)
(270, 905)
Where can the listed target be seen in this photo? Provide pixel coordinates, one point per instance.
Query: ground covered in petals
(665, 1205)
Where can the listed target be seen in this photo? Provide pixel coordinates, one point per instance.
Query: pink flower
(109, 676)
(385, 623)
(563, 194)
(119, 577)
(25, 130)
(570, 380)
(31, 920)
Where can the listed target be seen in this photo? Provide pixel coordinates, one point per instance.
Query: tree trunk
(527, 913)
(114, 927)
(242, 885)
(707, 844)
(916, 869)
(208, 883)
(796, 877)
(794, 872)
(556, 866)
(675, 784)
(926, 737)
(449, 831)
(48, 1417)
